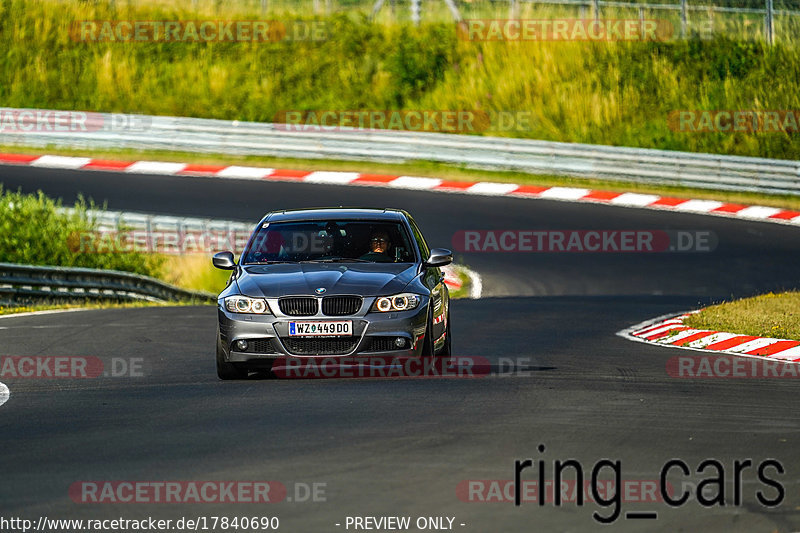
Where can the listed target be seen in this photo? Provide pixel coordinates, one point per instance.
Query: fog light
(241, 345)
(399, 342)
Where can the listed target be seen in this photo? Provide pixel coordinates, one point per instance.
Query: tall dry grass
(617, 93)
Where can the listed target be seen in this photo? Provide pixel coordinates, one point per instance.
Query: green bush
(33, 230)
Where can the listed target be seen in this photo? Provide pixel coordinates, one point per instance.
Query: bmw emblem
(320, 290)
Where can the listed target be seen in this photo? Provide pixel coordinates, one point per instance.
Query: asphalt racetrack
(559, 377)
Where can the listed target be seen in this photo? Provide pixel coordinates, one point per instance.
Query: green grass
(768, 315)
(614, 93)
(194, 272)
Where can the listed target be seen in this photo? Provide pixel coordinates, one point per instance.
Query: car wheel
(226, 370)
(447, 348)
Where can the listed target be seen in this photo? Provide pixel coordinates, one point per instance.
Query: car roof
(335, 213)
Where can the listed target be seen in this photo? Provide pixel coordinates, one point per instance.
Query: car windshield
(330, 241)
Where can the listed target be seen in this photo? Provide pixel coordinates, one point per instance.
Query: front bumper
(373, 334)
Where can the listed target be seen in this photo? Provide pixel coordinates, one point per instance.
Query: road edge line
(5, 393)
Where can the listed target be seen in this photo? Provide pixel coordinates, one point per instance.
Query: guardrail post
(711, 19)
(769, 18)
(451, 5)
(377, 7)
(641, 20)
(684, 20)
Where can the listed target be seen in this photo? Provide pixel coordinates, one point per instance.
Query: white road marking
(758, 212)
(634, 199)
(787, 355)
(247, 173)
(698, 206)
(5, 394)
(51, 326)
(331, 177)
(564, 193)
(672, 339)
(492, 189)
(754, 344)
(155, 167)
(712, 339)
(57, 161)
(411, 182)
(46, 312)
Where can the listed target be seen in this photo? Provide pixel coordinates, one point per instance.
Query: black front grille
(298, 306)
(341, 305)
(320, 346)
(382, 344)
(256, 346)
(260, 346)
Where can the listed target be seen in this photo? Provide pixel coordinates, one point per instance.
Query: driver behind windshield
(379, 245)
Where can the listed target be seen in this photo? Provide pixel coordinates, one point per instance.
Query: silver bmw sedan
(332, 282)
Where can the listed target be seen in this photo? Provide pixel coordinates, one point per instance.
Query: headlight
(243, 304)
(398, 302)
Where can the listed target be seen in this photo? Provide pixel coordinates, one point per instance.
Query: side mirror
(224, 261)
(439, 257)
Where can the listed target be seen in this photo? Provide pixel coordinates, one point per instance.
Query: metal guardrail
(110, 221)
(26, 284)
(492, 153)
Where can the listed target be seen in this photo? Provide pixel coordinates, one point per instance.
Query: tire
(227, 371)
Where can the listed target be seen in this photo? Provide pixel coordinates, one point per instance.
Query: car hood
(373, 279)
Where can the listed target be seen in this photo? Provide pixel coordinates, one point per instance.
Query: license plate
(339, 328)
